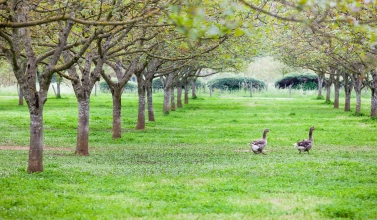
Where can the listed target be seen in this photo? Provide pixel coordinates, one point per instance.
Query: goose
(305, 145)
(257, 146)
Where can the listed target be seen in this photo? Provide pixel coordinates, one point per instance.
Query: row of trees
(148, 39)
(168, 39)
(338, 45)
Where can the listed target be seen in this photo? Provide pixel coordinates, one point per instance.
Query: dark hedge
(304, 81)
(234, 83)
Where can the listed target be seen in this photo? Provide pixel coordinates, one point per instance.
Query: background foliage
(234, 83)
(304, 81)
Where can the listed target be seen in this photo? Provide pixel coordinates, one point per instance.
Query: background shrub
(235, 83)
(304, 81)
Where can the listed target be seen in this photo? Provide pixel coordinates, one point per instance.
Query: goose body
(306, 145)
(257, 146)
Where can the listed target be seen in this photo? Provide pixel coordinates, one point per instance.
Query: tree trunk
(290, 90)
(20, 96)
(347, 103)
(328, 93)
(193, 88)
(179, 94)
(251, 89)
(150, 103)
(53, 88)
(141, 110)
(336, 91)
(373, 109)
(347, 89)
(82, 145)
(328, 84)
(320, 85)
(187, 85)
(172, 98)
(166, 100)
(35, 163)
(117, 112)
(373, 87)
(358, 84)
(58, 89)
(358, 102)
(210, 91)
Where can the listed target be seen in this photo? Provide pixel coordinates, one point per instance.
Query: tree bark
(336, 91)
(251, 89)
(373, 87)
(141, 110)
(187, 85)
(347, 89)
(358, 83)
(150, 102)
(193, 88)
(172, 98)
(328, 84)
(168, 83)
(58, 95)
(373, 109)
(117, 112)
(20, 96)
(179, 94)
(328, 94)
(35, 163)
(82, 143)
(53, 88)
(166, 100)
(321, 78)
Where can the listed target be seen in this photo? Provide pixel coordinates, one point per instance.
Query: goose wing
(260, 143)
(304, 144)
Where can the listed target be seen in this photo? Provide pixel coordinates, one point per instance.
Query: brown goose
(257, 146)
(306, 145)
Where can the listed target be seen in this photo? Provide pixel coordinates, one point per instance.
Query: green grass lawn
(195, 162)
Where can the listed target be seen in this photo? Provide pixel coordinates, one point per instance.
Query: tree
(34, 61)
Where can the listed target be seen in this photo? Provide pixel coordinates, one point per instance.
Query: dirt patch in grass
(27, 148)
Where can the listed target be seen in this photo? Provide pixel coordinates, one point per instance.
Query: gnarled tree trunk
(35, 163)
